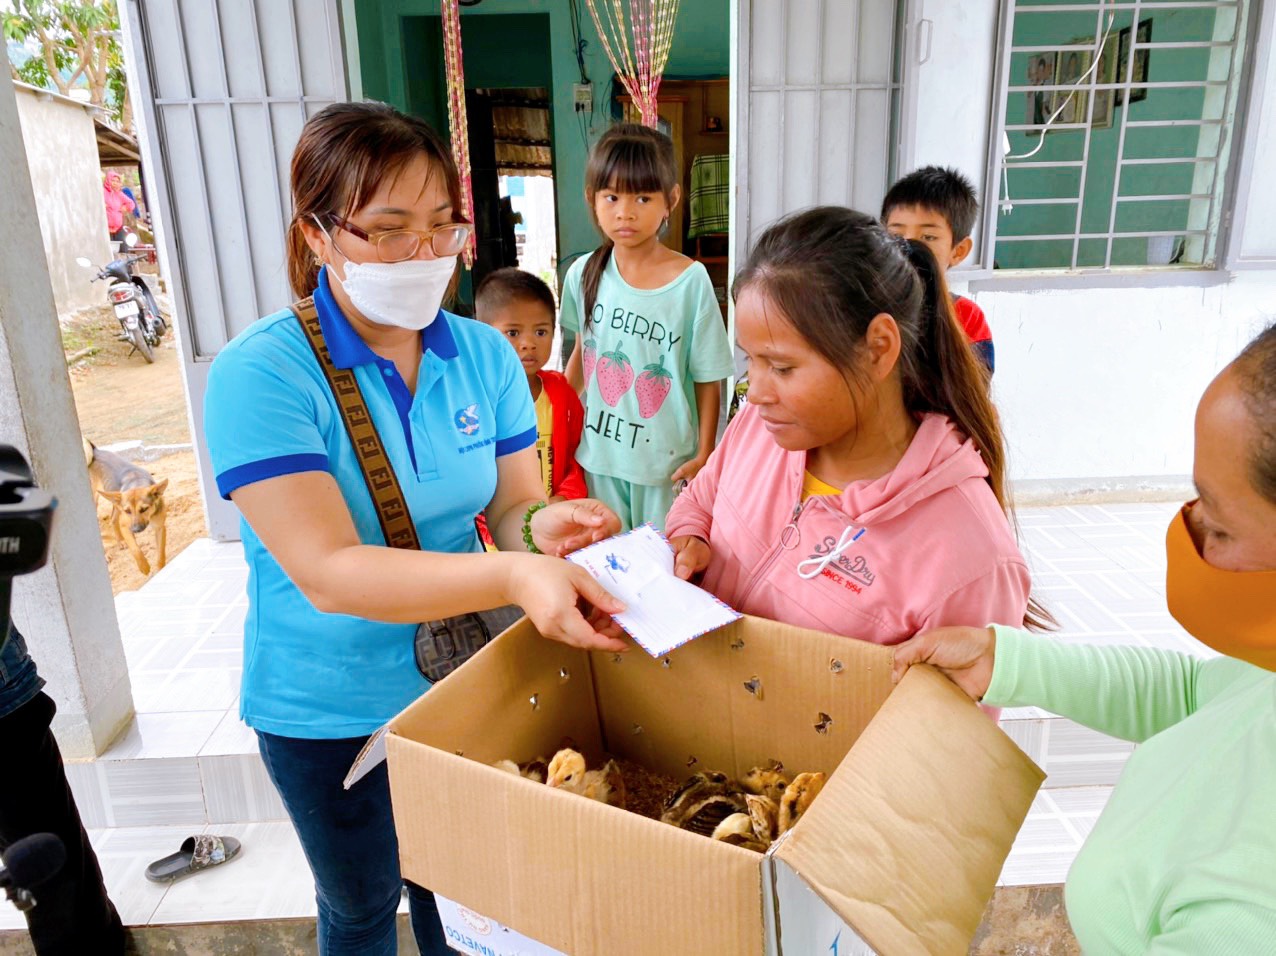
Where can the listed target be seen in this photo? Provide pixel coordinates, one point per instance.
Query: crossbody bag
(440, 646)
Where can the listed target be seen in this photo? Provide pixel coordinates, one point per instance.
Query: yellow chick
(567, 771)
(737, 829)
(508, 766)
(799, 795)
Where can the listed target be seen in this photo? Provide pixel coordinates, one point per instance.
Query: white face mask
(406, 295)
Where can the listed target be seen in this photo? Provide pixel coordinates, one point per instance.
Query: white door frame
(213, 242)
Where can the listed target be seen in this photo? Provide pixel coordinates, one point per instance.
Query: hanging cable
(1083, 79)
(579, 43)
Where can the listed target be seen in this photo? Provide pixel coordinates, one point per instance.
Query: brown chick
(699, 784)
(764, 815)
(703, 802)
(766, 781)
(799, 795)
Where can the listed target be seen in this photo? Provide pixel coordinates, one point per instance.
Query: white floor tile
(124, 855)
(269, 880)
(179, 734)
(165, 791)
(232, 736)
(185, 690)
(237, 789)
(1077, 801)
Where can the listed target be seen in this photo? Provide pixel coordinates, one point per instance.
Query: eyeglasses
(399, 244)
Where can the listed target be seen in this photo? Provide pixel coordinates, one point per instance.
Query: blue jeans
(349, 840)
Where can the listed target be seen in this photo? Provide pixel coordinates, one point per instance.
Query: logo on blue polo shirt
(467, 420)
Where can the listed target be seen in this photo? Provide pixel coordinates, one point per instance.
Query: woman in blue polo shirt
(328, 641)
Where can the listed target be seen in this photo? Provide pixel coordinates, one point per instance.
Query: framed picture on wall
(1105, 100)
(1038, 102)
(1070, 67)
(1141, 57)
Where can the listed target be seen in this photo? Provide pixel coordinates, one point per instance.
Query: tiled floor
(188, 764)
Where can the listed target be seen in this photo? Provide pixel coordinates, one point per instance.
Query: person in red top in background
(937, 207)
(521, 307)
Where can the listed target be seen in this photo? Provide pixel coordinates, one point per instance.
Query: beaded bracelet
(527, 526)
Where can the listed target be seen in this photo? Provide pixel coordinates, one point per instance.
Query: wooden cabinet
(670, 110)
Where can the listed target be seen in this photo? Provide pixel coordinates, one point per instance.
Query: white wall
(1098, 386)
(62, 157)
(1097, 376)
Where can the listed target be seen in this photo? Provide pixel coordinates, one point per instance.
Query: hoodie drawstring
(820, 562)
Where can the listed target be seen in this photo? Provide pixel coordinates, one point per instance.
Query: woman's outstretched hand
(691, 556)
(964, 654)
(565, 603)
(566, 526)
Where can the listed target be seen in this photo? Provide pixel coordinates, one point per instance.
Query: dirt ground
(119, 397)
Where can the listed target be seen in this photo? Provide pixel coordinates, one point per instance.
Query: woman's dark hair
(1255, 369)
(346, 151)
(830, 271)
(628, 158)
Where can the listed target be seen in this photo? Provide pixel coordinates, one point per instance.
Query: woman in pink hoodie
(117, 204)
(862, 489)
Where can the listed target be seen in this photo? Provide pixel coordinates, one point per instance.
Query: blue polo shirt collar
(348, 350)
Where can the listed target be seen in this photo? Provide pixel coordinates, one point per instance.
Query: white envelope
(662, 611)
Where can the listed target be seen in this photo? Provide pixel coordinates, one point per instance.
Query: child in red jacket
(521, 307)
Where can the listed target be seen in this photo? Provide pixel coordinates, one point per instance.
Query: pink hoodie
(937, 551)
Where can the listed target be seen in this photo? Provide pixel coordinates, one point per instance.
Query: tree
(73, 40)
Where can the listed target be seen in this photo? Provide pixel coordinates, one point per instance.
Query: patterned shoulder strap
(387, 495)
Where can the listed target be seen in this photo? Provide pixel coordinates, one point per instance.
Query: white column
(65, 610)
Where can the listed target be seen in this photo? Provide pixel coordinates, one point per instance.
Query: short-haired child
(521, 307)
(937, 206)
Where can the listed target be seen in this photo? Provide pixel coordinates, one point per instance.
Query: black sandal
(197, 853)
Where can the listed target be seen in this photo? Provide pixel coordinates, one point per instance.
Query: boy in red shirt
(521, 307)
(937, 206)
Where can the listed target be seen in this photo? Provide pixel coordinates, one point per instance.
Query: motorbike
(141, 322)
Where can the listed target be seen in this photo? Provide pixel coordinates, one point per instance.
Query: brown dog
(136, 499)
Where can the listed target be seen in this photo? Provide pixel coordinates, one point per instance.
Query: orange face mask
(1234, 612)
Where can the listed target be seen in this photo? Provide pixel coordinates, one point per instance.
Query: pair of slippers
(196, 853)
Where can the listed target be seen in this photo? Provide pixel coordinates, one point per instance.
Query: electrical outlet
(583, 97)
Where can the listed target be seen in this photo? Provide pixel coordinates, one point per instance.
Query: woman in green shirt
(1183, 858)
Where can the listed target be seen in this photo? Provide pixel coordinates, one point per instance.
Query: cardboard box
(469, 932)
(899, 854)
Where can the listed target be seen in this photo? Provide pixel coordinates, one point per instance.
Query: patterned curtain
(637, 35)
